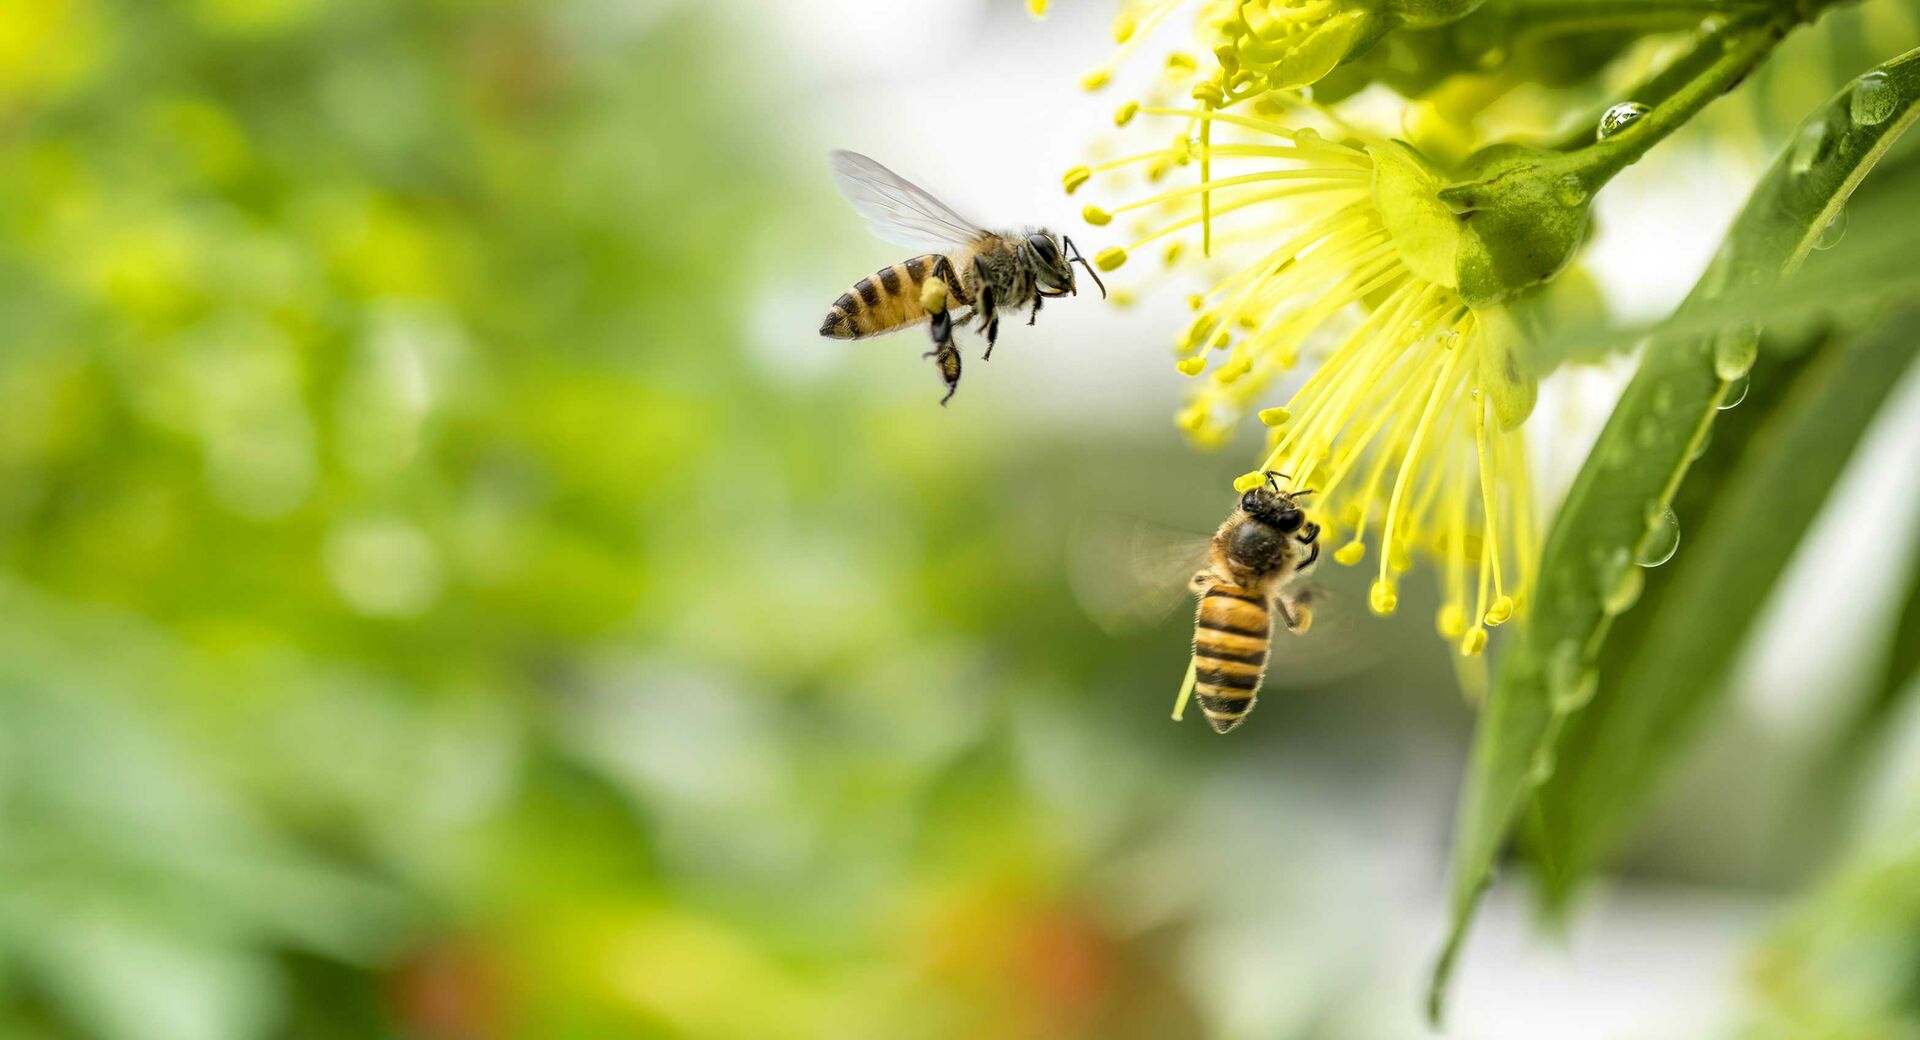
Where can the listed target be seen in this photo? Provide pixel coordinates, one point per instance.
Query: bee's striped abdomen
(889, 300)
(1232, 631)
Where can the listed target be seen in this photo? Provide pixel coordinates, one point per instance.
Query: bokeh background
(451, 592)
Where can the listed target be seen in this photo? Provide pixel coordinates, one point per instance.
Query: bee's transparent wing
(1337, 644)
(1130, 575)
(896, 209)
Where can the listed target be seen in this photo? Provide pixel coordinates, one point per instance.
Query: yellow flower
(1258, 44)
(1407, 431)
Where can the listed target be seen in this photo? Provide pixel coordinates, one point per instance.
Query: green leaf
(1674, 663)
(1897, 676)
(1587, 573)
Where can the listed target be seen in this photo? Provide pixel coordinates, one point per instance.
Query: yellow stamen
(1186, 691)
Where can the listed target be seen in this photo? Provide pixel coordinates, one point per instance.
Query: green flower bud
(1524, 213)
(1512, 222)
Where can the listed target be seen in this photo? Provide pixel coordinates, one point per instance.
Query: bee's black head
(1276, 509)
(1053, 260)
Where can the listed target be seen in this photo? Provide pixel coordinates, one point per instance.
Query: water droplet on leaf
(1625, 591)
(1734, 351)
(1571, 190)
(1874, 99)
(1831, 234)
(1569, 682)
(1810, 146)
(1736, 393)
(1617, 590)
(1618, 118)
(1662, 538)
(1700, 448)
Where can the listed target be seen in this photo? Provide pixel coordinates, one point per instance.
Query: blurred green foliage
(416, 594)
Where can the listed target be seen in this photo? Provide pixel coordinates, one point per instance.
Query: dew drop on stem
(1736, 393)
(1834, 230)
(1657, 546)
(1618, 118)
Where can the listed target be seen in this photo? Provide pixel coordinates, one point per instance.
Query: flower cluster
(1397, 431)
(1408, 428)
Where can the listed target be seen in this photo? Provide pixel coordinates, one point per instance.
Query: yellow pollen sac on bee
(1125, 113)
(1498, 614)
(1451, 621)
(1110, 258)
(1096, 79)
(933, 296)
(1246, 482)
(1096, 216)
(1381, 598)
(1192, 366)
(1473, 642)
(1274, 416)
(1350, 553)
(1074, 178)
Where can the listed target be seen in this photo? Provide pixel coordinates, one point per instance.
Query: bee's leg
(983, 305)
(1313, 554)
(942, 329)
(1309, 536)
(947, 357)
(990, 322)
(1296, 610)
(1037, 300)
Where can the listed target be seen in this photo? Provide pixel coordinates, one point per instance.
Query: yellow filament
(1410, 463)
(1186, 691)
(1489, 534)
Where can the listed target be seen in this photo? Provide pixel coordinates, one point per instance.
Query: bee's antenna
(1274, 477)
(1082, 261)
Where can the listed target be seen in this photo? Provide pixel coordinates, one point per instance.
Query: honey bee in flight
(984, 271)
(1253, 562)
